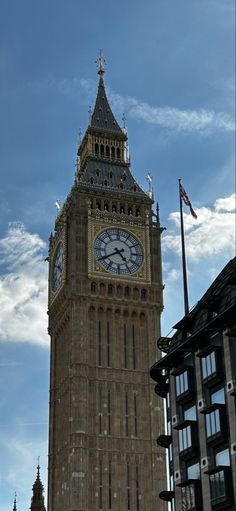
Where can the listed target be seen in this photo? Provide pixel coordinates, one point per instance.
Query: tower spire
(37, 501)
(101, 63)
(14, 506)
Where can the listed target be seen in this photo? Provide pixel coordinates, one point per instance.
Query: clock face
(118, 251)
(58, 267)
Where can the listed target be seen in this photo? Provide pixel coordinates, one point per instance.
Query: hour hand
(116, 251)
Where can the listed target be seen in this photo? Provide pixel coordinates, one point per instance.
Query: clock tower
(105, 301)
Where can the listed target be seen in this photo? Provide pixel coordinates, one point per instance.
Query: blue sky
(170, 67)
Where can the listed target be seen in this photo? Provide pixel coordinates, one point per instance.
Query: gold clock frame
(95, 226)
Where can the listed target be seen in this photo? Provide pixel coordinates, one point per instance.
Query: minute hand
(111, 254)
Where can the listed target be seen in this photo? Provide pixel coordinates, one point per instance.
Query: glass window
(218, 487)
(218, 396)
(190, 414)
(208, 365)
(188, 497)
(185, 440)
(193, 471)
(213, 423)
(222, 458)
(181, 383)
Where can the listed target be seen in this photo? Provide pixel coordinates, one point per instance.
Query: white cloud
(167, 117)
(211, 234)
(23, 287)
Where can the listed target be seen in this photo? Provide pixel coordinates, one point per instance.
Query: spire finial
(14, 507)
(101, 63)
(38, 468)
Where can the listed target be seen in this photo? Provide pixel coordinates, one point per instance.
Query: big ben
(105, 302)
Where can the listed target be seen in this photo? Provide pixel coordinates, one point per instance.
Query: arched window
(106, 207)
(143, 294)
(122, 209)
(98, 205)
(127, 291)
(124, 177)
(93, 287)
(118, 153)
(102, 150)
(113, 208)
(91, 180)
(97, 172)
(130, 211)
(119, 291)
(137, 212)
(113, 152)
(110, 289)
(105, 182)
(96, 149)
(107, 151)
(111, 175)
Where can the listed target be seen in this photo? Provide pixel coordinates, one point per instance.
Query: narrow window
(98, 205)
(109, 485)
(93, 287)
(213, 425)
(96, 149)
(108, 344)
(126, 415)
(133, 348)
(128, 486)
(100, 485)
(110, 289)
(113, 208)
(135, 416)
(143, 294)
(185, 438)
(127, 292)
(181, 382)
(109, 411)
(100, 411)
(113, 152)
(118, 153)
(99, 343)
(125, 348)
(137, 488)
(102, 150)
(106, 207)
(107, 151)
(218, 487)
(208, 365)
(138, 212)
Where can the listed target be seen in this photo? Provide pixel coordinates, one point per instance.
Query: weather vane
(101, 63)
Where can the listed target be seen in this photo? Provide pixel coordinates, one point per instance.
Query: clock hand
(117, 251)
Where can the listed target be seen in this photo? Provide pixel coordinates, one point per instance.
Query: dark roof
(219, 300)
(110, 176)
(102, 117)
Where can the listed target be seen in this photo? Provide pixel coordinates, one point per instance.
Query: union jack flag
(186, 200)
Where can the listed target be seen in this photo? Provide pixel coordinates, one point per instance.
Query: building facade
(105, 301)
(197, 377)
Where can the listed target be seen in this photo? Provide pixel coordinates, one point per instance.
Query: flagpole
(185, 283)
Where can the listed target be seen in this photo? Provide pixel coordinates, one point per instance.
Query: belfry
(105, 302)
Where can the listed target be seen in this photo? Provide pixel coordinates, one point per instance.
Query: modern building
(105, 301)
(197, 377)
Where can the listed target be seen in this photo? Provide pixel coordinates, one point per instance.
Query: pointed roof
(102, 117)
(37, 501)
